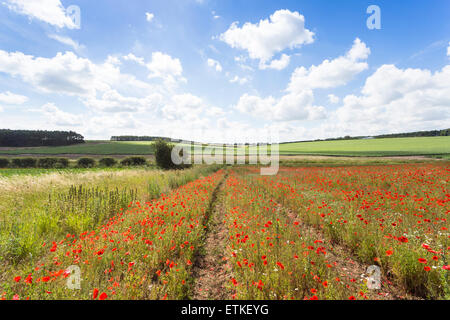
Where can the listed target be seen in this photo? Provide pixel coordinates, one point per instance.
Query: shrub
(86, 162)
(4, 163)
(63, 163)
(163, 156)
(134, 161)
(108, 162)
(47, 163)
(24, 162)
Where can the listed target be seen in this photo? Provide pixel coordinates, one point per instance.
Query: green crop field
(91, 147)
(371, 147)
(437, 146)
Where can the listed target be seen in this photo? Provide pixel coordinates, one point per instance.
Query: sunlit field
(423, 146)
(307, 233)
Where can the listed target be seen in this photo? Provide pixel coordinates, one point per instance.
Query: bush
(86, 162)
(24, 162)
(4, 163)
(134, 161)
(62, 163)
(108, 162)
(163, 156)
(47, 163)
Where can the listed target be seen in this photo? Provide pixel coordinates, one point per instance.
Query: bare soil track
(211, 270)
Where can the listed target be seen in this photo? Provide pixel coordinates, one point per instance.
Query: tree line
(143, 138)
(38, 138)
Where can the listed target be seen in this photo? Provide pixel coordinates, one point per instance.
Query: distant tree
(163, 155)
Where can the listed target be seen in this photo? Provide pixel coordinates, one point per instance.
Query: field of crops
(307, 233)
(363, 147)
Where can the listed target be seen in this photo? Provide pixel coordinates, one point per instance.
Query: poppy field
(307, 233)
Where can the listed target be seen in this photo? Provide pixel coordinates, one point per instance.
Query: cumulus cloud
(290, 107)
(333, 99)
(448, 49)
(49, 11)
(132, 57)
(240, 80)
(165, 67)
(60, 118)
(280, 64)
(399, 99)
(284, 29)
(10, 98)
(113, 101)
(298, 101)
(215, 64)
(332, 73)
(65, 73)
(149, 16)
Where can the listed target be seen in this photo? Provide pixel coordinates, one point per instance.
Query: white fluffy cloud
(49, 11)
(65, 73)
(284, 29)
(332, 73)
(132, 57)
(10, 98)
(165, 67)
(149, 16)
(60, 118)
(333, 99)
(280, 64)
(395, 100)
(298, 102)
(215, 64)
(448, 49)
(240, 80)
(112, 101)
(290, 107)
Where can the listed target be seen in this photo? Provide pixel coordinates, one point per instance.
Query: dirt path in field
(211, 270)
(348, 266)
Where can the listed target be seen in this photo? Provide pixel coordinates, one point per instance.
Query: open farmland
(307, 233)
(418, 146)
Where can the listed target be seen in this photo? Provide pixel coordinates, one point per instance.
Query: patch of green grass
(90, 147)
(371, 147)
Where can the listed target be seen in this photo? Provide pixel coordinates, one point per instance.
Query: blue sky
(224, 70)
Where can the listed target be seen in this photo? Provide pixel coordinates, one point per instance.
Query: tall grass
(38, 209)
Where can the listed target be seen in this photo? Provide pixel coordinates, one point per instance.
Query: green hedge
(86, 162)
(4, 163)
(24, 162)
(50, 163)
(107, 162)
(134, 161)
